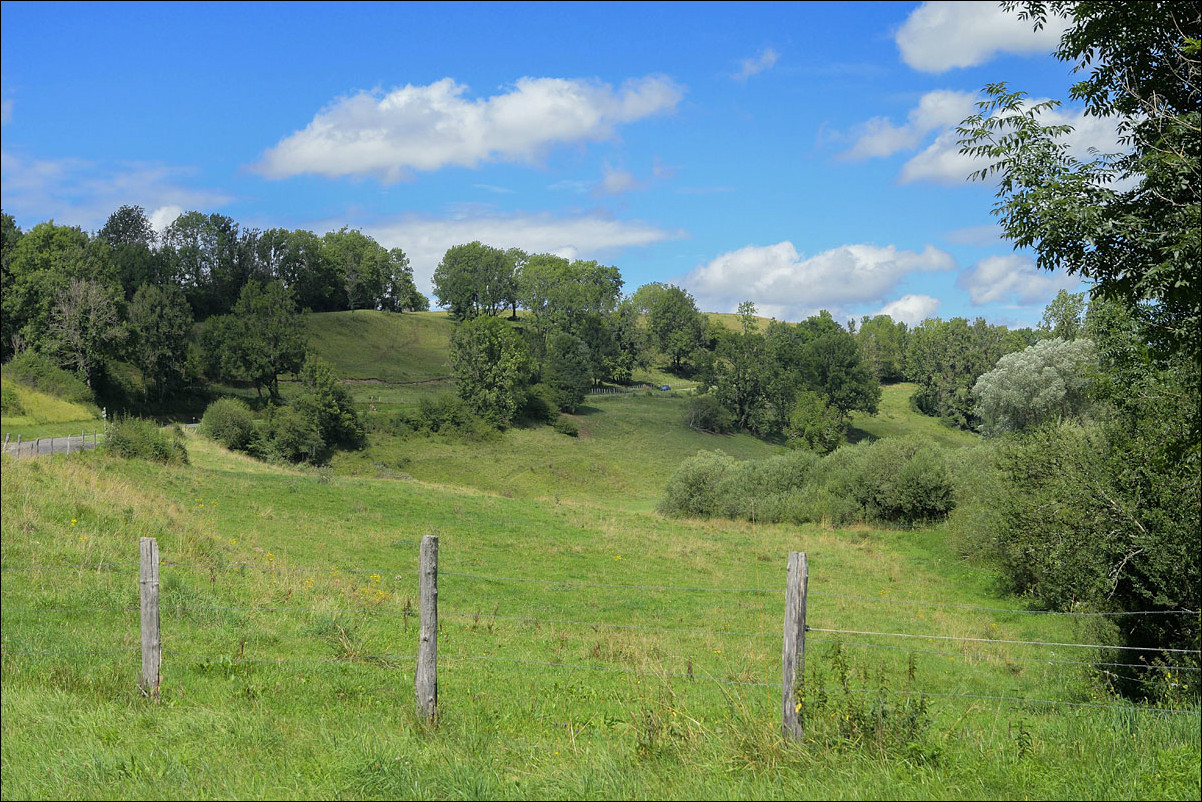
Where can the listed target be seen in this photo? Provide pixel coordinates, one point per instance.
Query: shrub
(706, 413)
(289, 435)
(10, 403)
(229, 421)
(329, 404)
(903, 480)
(815, 424)
(693, 489)
(540, 405)
(757, 490)
(444, 414)
(136, 438)
(40, 372)
(566, 426)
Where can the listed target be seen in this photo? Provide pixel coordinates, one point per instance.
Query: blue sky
(798, 155)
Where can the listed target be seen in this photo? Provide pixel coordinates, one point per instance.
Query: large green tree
(492, 364)
(1128, 221)
(262, 338)
(675, 324)
(475, 279)
(1107, 515)
(85, 328)
(160, 323)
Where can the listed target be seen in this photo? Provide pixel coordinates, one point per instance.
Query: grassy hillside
(628, 447)
(895, 417)
(43, 415)
(587, 651)
(588, 648)
(385, 346)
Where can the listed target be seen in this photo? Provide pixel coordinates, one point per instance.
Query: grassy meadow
(588, 647)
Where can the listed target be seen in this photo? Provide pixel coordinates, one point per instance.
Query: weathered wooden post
(426, 681)
(794, 659)
(18, 446)
(37, 446)
(148, 581)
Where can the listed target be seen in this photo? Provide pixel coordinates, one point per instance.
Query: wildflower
(73, 521)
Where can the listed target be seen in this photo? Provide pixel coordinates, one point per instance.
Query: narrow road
(44, 446)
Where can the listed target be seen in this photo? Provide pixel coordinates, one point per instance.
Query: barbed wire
(576, 583)
(406, 613)
(1026, 700)
(943, 605)
(1002, 640)
(615, 669)
(1008, 658)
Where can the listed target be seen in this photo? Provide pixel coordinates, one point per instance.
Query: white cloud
(1013, 280)
(910, 309)
(615, 182)
(939, 36)
(934, 120)
(748, 67)
(937, 110)
(82, 193)
(942, 163)
(164, 216)
(425, 128)
(424, 240)
(778, 277)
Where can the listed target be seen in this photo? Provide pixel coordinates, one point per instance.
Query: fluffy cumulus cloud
(592, 236)
(787, 284)
(939, 36)
(748, 67)
(82, 193)
(911, 309)
(936, 111)
(1013, 280)
(425, 128)
(933, 123)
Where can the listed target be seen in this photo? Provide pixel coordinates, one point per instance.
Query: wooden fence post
(148, 581)
(794, 658)
(426, 681)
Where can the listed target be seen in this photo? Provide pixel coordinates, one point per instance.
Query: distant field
(391, 347)
(628, 447)
(895, 418)
(45, 415)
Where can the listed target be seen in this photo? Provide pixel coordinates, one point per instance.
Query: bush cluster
(443, 414)
(41, 373)
(902, 481)
(229, 422)
(320, 418)
(10, 403)
(137, 438)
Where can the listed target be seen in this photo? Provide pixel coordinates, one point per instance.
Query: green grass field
(588, 648)
(44, 415)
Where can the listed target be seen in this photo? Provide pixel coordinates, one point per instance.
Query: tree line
(127, 292)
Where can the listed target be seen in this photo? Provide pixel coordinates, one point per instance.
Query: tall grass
(587, 650)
